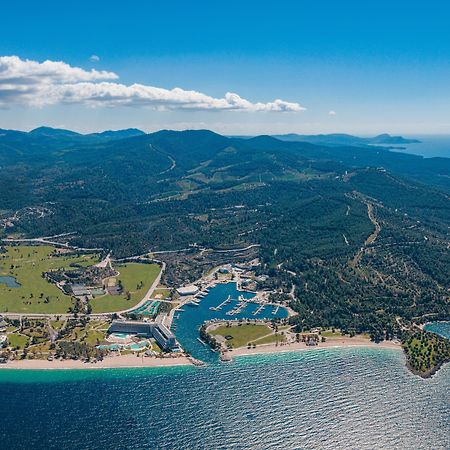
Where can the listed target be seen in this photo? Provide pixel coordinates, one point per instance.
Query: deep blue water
(342, 398)
(187, 323)
(429, 146)
(352, 398)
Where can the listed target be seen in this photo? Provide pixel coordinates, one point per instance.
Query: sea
(333, 398)
(430, 146)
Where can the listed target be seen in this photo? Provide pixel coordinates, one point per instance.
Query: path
(370, 239)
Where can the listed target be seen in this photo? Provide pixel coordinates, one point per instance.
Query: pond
(9, 281)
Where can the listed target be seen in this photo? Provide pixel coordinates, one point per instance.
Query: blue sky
(378, 65)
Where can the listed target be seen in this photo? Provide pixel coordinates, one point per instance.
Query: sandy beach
(301, 346)
(113, 362)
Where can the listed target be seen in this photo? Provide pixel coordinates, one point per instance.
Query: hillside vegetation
(358, 235)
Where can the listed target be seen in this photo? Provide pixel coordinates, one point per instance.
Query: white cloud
(53, 82)
(94, 58)
(331, 113)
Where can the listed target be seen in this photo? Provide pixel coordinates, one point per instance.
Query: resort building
(80, 290)
(3, 324)
(3, 340)
(188, 290)
(162, 335)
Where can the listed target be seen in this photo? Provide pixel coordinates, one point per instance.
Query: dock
(239, 308)
(260, 309)
(219, 307)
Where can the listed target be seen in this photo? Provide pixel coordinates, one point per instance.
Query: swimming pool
(138, 346)
(120, 335)
(110, 347)
(135, 346)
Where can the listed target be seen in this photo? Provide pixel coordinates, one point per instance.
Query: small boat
(201, 342)
(193, 303)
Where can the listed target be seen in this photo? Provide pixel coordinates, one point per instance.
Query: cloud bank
(36, 84)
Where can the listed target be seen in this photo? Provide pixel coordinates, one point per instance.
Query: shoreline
(114, 362)
(301, 346)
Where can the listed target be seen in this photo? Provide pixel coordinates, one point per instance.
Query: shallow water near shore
(441, 328)
(330, 398)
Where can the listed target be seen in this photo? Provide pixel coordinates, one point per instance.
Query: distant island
(346, 139)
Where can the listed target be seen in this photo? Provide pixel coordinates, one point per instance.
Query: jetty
(260, 309)
(239, 308)
(219, 307)
(225, 357)
(196, 362)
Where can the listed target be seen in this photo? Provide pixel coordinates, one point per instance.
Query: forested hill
(362, 232)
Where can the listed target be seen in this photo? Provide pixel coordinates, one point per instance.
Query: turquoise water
(120, 335)
(9, 281)
(441, 328)
(186, 324)
(342, 398)
(352, 398)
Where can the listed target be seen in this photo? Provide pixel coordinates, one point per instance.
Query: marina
(221, 299)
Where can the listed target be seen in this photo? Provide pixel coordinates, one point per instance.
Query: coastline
(301, 346)
(114, 362)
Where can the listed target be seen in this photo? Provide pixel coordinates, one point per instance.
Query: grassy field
(136, 279)
(35, 295)
(272, 338)
(330, 334)
(163, 292)
(57, 324)
(17, 340)
(242, 335)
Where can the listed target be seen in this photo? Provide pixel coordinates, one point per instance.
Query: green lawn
(330, 334)
(17, 340)
(242, 335)
(270, 339)
(57, 324)
(26, 264)
(94, 336)
(164, 293)
(131, 275)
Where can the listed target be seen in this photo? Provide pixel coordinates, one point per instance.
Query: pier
(219, 307)
(260, 309)
(239, 308)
